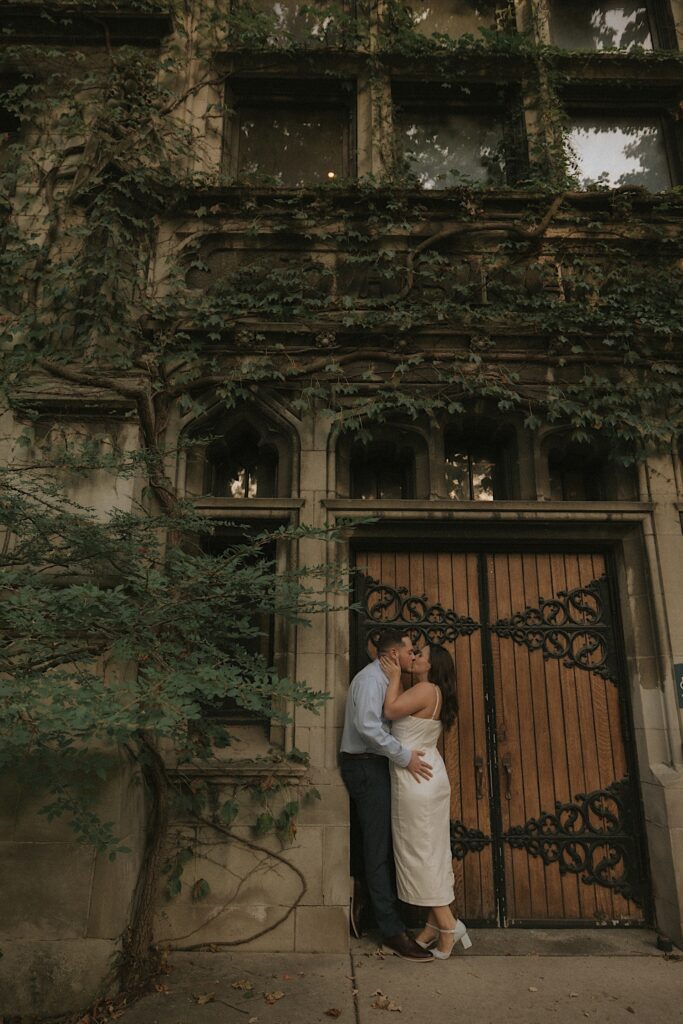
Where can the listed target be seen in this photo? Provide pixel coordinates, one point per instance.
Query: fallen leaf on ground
(161, 987)
(272, 997)
(202, 998)
(382, 1002)
(333, 1012)
(243, 984)
(288, 977)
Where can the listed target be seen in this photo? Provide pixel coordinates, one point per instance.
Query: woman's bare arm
(399, 704)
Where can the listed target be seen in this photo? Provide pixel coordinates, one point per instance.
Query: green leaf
(229, 811)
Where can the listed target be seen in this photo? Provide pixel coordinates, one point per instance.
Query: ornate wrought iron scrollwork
(573, 627)
(395, 606)
(467, 840)
(593, 837)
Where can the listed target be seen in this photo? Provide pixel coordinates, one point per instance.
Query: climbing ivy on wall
(393, 302)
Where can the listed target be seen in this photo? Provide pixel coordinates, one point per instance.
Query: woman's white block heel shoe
(431, 942)
(459, 934)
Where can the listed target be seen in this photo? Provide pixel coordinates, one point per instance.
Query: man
(366, 744)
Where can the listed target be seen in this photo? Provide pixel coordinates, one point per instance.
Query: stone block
(654, 803)
(112, 889)
(238, 875)
(661, 863)
(669, 920)
(184, 926)
(310, 719)
(42, 979)
(312, 742)
(655, 743)
(312, 668)
(313, 472)
(336, 879)
(648, 708)
(673, 798)
(331, 809)
(46, 890)
(322, 929)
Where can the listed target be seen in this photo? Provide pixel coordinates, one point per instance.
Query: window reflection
(313, 19)
(611, 150)
(444, 149)
(294, 145)
(453, 17)
(577, 25)
(471, 475)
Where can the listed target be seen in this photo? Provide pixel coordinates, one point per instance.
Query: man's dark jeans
(369, 786)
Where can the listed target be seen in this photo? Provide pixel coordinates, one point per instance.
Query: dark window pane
(444, 149)
(575, 476)
(577, 25)
(297, 145)
(382, 471)
(239, 467)
(614, 150)
(453, 17)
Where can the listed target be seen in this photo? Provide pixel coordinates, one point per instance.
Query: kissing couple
(399, 788)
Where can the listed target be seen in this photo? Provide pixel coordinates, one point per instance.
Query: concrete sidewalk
(520, 977)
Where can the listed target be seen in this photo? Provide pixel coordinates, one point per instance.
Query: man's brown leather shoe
(407, 948)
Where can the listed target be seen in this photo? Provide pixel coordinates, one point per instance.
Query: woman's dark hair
(442, 674)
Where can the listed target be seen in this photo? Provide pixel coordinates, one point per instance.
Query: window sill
(493, 510)
(257, 508)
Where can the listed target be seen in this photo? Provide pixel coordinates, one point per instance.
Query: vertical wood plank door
(436, 595)
(545, 811)
(568, 803)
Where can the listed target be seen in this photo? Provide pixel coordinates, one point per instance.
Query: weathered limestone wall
(64, 905)
(250, 892)
(658, 719)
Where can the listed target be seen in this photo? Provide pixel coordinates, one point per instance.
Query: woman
(420, 812)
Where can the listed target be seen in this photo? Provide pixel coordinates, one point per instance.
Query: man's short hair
(388, 638)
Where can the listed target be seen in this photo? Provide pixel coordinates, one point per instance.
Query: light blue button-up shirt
(366, 730)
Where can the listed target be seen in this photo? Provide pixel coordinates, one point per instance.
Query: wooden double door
(545, 810)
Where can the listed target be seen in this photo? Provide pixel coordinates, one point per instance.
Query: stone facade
(67, 907)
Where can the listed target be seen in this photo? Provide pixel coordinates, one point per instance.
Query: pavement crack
(354, 990)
